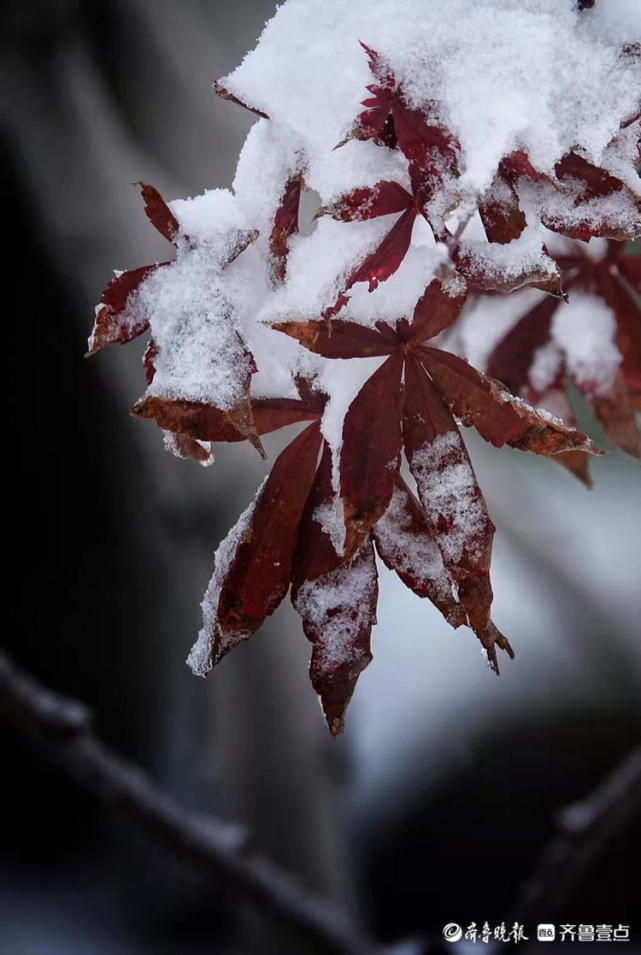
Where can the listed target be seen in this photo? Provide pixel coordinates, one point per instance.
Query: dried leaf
(491, 638)
(151, 351)
(244, 238)
(581, 182)
(431, 149)
(376, 121)
(502, 217)
(270, 414)
(630, 268)
(628, 320)
(516, 165)
(577, 463)
(545, 276)
(597, 182)
(316, 553)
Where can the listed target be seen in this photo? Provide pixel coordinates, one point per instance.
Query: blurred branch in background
(585, 830)
(78, 132)
(61, 730)
(98, 94)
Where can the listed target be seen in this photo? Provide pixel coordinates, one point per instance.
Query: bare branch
(61, 729)
(586, 828)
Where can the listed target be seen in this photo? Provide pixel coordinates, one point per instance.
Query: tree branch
(586, 828)
(62, 730)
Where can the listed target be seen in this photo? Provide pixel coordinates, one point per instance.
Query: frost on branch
(476, 164)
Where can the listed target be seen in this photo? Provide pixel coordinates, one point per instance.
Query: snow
(411, 553)
(513, 262)
(338, 607)
(200, 656)
(259, 195)
(585, 330)
(200, 356)
(172, 444)
(506, 73)
(545, 366)
(559, 207)
(448, 491)
(544, 413)
(500, 75)
(208, 218)
(195, 307)
(331, 518)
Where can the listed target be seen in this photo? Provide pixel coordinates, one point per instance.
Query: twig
(61, 728)
(586, 828)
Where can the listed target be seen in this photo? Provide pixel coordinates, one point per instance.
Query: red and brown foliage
(411, 407)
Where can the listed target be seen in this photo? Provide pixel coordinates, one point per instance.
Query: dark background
(436, 803)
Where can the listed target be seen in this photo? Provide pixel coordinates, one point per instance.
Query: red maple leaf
(614, 278)
(336, 599)
(115, 323)
(431, 149)
(285, 225)
(500, 210)
(433, 155)
(577, 185)
(387, 415)
(323, 512)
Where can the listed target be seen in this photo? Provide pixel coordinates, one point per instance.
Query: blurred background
(437, 801)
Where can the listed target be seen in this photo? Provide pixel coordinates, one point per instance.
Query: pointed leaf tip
(158, 212)
(338, 611)
(114, 324)
(498, 416)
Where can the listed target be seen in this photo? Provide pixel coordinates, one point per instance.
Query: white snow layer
(448, 490)
(500, 74)
(200, 655)
(338, 606)
(585, 329)
(506, 74)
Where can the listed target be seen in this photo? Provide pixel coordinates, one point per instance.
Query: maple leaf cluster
(399, 483)
(611, 386)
